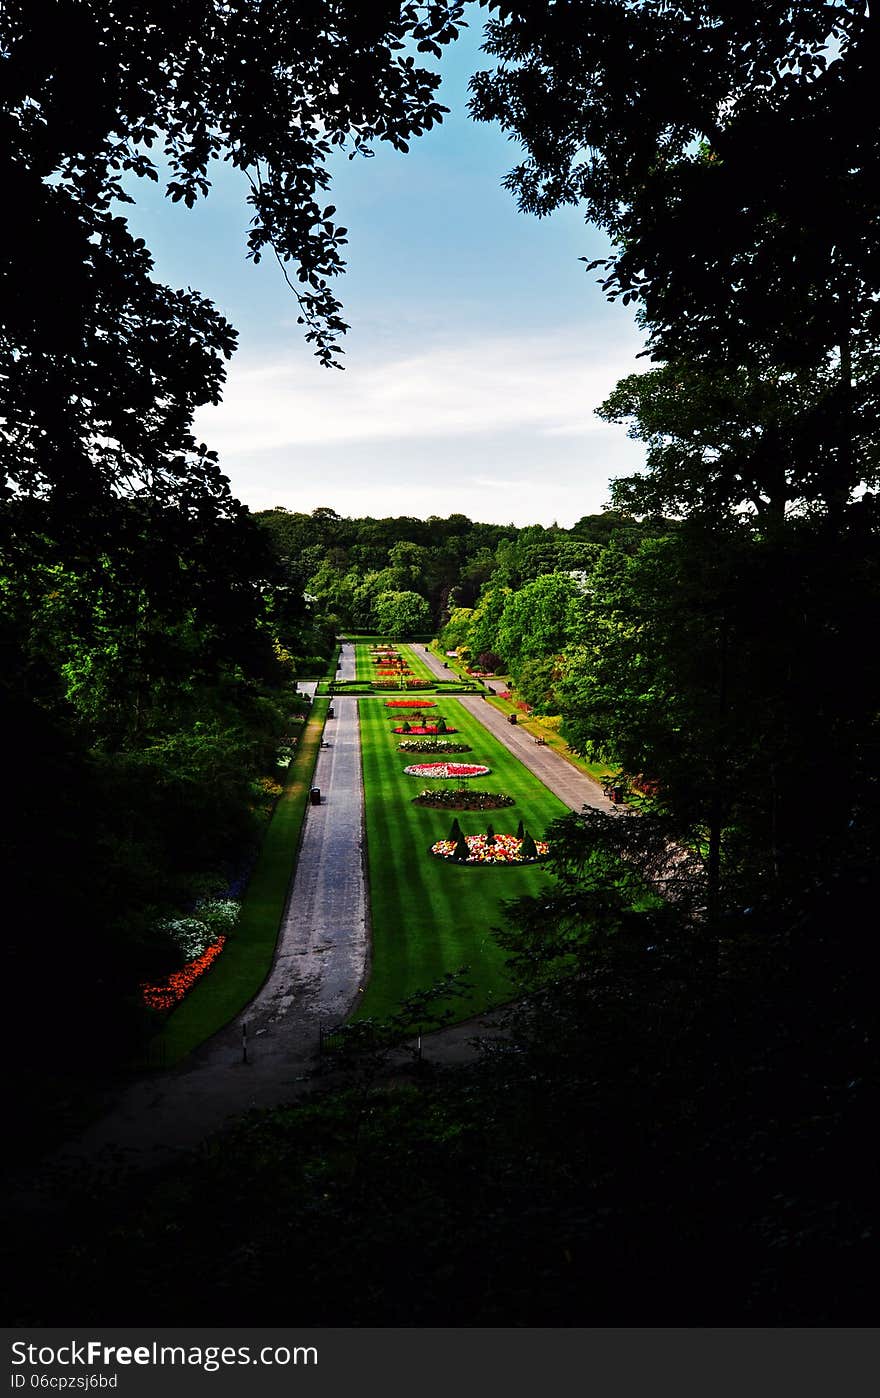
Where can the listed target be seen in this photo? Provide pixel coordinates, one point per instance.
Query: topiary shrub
(529, 848)
(520, 831)
(462, 853)
(455, 831)
(490, 835)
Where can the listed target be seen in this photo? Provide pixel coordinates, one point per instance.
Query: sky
(479, 345)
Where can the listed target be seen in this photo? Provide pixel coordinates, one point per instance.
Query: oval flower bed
(433, 745)
(425, 730)
(447, 769)
(410, 704)
(463, 800)
(503, 849)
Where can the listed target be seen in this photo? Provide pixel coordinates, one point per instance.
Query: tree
(539, 620)
(707, 666)
(739, 207)
(402, 614)
(486, 619)
(722, 440)
(457, 629)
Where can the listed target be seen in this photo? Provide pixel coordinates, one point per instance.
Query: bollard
(244, 1056)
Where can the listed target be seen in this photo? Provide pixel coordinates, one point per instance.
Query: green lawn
(429, 917)
(366, 674)
(244, 964)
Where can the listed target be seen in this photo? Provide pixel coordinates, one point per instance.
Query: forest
(674, 1129)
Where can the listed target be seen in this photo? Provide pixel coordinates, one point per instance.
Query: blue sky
(479, 345)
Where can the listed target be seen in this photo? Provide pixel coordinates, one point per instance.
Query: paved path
(347, 664)
(575, 788)
(319, 967)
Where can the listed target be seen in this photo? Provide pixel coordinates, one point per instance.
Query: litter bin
(315, 796)
(330, 713)
(511, 718)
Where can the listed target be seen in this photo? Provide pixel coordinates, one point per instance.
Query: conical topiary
(490, 836)
(520, 831)
(405, 728)
(461, 851)
(528, 849)
(441, 725)
(455, 832)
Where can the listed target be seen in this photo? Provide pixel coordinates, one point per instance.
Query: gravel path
(575, 788)
(320, 965)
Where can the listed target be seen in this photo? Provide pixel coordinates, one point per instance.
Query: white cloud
(499, 428)
(547, 384)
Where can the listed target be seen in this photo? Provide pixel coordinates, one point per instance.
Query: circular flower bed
(422, 730)
(463, 800)
(410, 704)
(503, 849)
(433, 745)
(447, 769)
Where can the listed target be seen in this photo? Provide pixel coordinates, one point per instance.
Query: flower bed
(503, 849)
(167, 994)
(460, 770)
(433, 745)
(423, 730)
(463, 800)
(410, 704)
(394, 672)
(420, 684)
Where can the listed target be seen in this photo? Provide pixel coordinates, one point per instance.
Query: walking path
(321, 961)
(575, 788)
(319, 968)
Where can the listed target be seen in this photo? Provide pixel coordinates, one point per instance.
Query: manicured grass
(428, 916)
(366, 673)
(245, 961)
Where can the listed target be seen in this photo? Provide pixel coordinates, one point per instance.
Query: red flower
(162, 997)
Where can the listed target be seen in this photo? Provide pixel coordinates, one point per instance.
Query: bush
(461, 851)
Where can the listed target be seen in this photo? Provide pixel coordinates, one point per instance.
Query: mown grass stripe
(429, 917)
